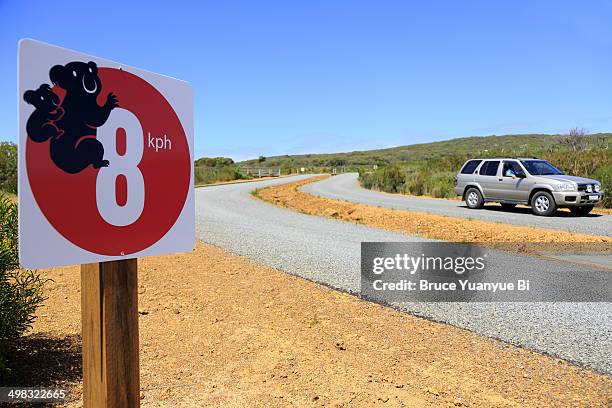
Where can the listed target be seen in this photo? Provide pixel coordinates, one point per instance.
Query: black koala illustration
(41, 123)
(77, 147)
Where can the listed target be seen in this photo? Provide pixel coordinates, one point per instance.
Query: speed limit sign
(105, 160)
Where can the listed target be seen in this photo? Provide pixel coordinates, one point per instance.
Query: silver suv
(530, 181)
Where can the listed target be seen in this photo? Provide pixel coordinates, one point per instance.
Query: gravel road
(345, 187)
(328, 251)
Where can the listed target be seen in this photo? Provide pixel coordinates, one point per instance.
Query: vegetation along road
(346, 187)
(328, 251)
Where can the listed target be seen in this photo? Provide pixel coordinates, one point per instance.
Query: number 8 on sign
(120, 188)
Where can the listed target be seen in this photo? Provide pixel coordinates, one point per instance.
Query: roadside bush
(441, 185)
(604, 175)
(390, 179)
(213, 162)
(367, 179)
(8, 167)
(416, 183)
(21, 291)
(393, 180)
(208, 175)
(288, 170)
(371, 179)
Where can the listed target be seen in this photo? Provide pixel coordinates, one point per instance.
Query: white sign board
(105, 160)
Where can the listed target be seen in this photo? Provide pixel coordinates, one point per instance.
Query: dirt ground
(417, 223)
(217, 329)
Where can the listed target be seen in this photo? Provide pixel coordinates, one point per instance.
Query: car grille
(582, 187)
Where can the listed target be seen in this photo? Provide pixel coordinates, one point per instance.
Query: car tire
(473, 198)
(508, 206)
(581, 211)
(543, 203)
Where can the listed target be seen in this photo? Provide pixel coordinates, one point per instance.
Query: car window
(470, 166)
(483, 168)
(512, 167)
(541, 168)
(489, 168)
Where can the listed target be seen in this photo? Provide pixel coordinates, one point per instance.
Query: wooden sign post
(109, 311)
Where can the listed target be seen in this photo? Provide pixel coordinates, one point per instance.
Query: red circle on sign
(68, 201)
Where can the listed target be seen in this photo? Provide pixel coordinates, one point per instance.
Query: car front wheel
(473, 198)
(581, 210)
(543, 203)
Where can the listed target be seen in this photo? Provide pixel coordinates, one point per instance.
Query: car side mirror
(521, 175)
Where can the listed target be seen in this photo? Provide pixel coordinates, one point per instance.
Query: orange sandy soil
(417, 223)
(602, 211)
(217, 329)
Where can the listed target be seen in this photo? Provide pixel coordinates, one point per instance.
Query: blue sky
(284, 77)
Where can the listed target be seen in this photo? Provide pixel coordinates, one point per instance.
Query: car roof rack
(508, 157)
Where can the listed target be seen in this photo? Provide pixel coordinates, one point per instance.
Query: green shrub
(370, 179)
(214, 162)
(21, 291)
(8, 167)
(367, 179)
(604, 174)
(416, 183)
(208, 175)
(441, 185)
(288, 170)
(390, 179)
(393, 179)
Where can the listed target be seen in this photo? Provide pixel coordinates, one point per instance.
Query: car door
(525, 186)
(488, 179)
(512, 188)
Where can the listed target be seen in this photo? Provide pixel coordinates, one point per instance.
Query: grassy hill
(530, 144)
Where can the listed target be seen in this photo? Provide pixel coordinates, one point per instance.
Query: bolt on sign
(105, 160)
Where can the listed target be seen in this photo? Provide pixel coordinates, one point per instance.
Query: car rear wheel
(473, 198)
(581, 210)
(508, 206)
(543, 203)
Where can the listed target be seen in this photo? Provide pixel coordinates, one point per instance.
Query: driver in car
(509, 172)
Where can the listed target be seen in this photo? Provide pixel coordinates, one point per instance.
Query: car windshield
(541, 168)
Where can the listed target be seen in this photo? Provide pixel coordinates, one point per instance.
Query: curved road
(346, 187)
(328, 251)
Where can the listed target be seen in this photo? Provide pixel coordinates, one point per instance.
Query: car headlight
(565, 187)
(589, 188)
(597, 188)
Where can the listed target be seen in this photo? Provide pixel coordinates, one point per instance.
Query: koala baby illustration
(78, 147)
(41, 123)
